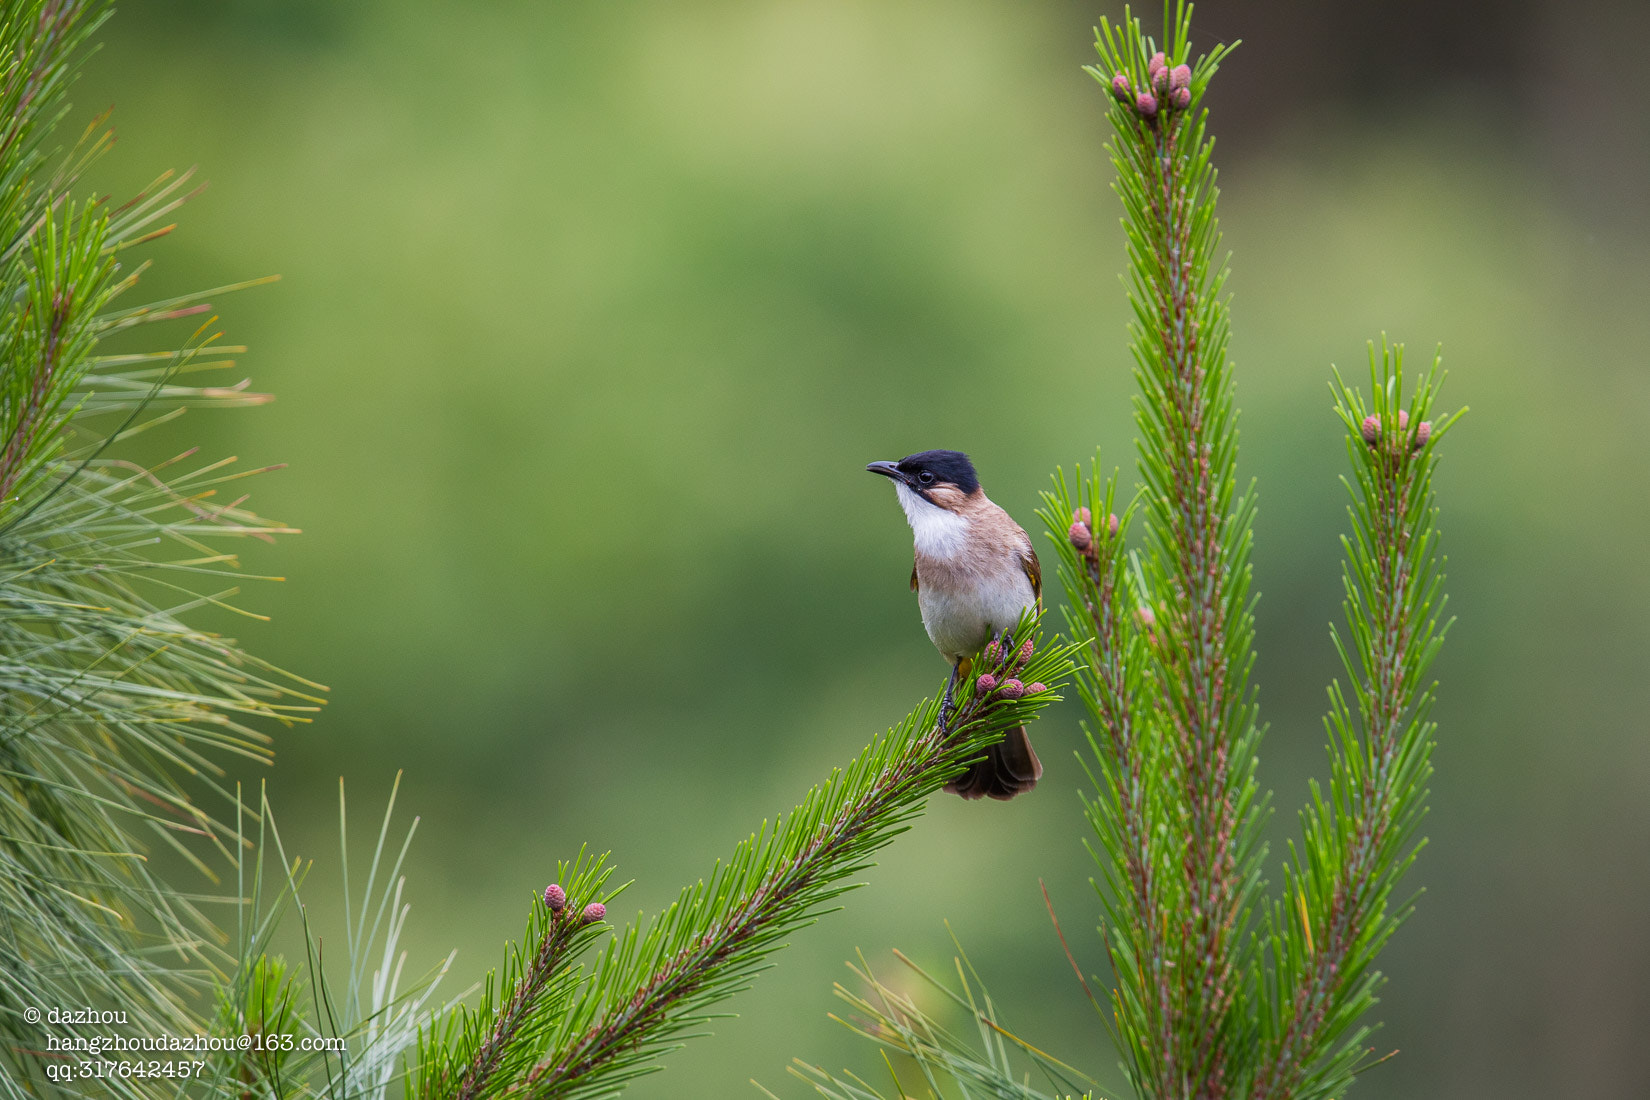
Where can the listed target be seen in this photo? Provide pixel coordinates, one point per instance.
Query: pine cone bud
(594, 912)
(1013, 689)
(1079, 536)
(1082, 516)
(1158, 61)
(1147, 619)
(986, 684)
(1180, 76)
(993, 653)
(1160, 81)
(1121, 88)
(1423, 432)
(1180, 98)
(1025, 654)
(1111, 524)
(1146, 104)
(1371, 429)
(1036, 688)
(1403, 420)
(555, 897)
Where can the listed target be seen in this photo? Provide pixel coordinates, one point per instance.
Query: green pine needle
(656, 984)
(117, 715)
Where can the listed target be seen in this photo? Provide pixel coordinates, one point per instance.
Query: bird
(974, 573)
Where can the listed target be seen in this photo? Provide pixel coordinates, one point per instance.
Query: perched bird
(975, 572)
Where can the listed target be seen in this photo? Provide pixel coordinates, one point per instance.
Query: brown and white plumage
(974, 573)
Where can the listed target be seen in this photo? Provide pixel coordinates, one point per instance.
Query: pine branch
(714, 940)
(482, 1051)
(1358, 844)
(1114, 685)
(49, 338)
(555, 945)
(42, 38)
(1197, 575)
(646, 992)
(116, 715)
(29, 412)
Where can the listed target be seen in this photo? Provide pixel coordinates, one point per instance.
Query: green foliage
(898, 1022)
(284, 1029)
(116, 713)
(1337, 910)
(1191, 849)
(476, 1050)
(270, 1005)
(346, 1037)
(563, 1035)
(1217, 990)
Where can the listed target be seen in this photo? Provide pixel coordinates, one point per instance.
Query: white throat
(938, 532)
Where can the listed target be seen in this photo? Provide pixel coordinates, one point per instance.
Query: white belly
(961, 617)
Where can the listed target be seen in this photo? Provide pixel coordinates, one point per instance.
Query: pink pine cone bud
(1082, 516)
(1423, 432)
(1111, 524)
(555, 897)
(594, 912)
(1371, 430)
(1180, 76)
(1121, 88)
(1403, 420)
(986, 684)
(1013, 689)
(1036, 688)
(1147, 619)
(1146, 104)
(1180, 98)
(993, 652)
(1025, 654)
(1158, 61)
(1079, 536)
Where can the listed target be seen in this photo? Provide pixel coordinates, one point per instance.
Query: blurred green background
(591, 315)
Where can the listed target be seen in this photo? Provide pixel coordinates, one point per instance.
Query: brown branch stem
(490, 1054)
(1197, 700)
(27, 426)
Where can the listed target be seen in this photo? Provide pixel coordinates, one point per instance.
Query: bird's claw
(945, 703)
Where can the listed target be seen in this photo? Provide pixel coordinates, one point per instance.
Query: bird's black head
(928, 470)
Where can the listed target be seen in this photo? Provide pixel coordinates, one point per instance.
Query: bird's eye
(926, 477)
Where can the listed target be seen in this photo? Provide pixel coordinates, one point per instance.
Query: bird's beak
(886, 469)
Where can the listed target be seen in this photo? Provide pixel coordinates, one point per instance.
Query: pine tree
(118, 716)
(1218, 989)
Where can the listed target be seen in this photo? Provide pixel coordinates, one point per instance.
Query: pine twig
(1198, 573)
(1358, 843)
(648, 988)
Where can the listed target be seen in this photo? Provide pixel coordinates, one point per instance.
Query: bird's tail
(1009, 767)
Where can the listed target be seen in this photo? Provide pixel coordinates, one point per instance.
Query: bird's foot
(945, 703)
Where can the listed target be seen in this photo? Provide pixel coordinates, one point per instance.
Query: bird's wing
(1028, 560)
(913, 575)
